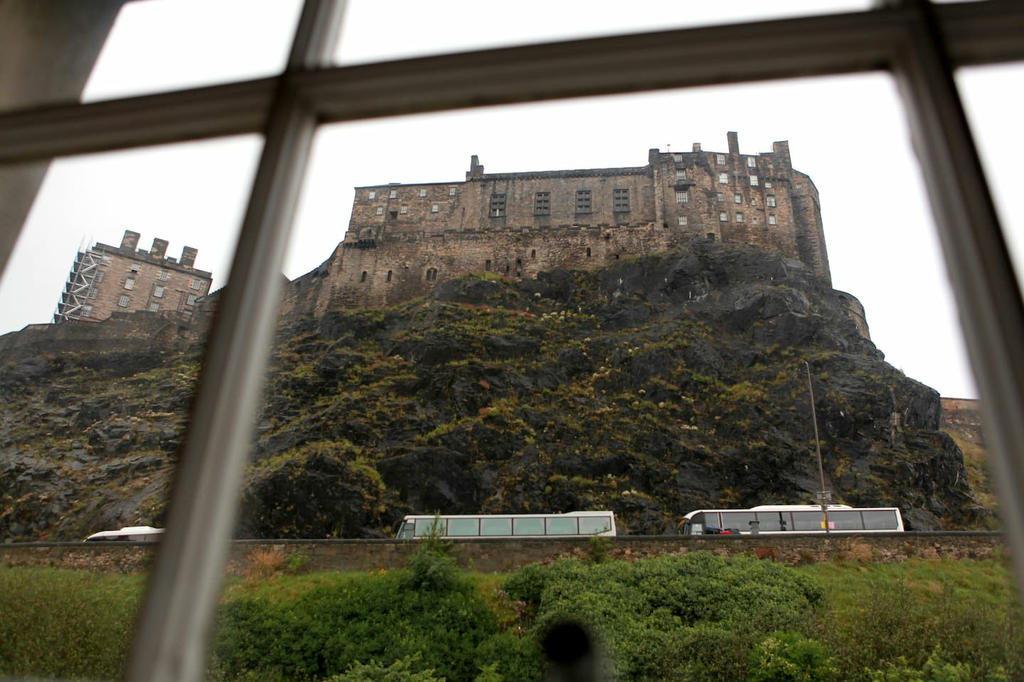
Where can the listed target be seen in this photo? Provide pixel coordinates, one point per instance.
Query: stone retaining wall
(506, 555)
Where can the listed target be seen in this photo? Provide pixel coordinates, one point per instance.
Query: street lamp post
(824, 495)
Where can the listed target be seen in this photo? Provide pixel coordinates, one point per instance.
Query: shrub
(402, 670)
(791, 657)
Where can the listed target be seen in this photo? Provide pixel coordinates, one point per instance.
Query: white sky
(848, 133)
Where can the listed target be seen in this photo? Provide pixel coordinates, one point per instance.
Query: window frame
(919, 43)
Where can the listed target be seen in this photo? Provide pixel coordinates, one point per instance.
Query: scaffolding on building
(81, 286)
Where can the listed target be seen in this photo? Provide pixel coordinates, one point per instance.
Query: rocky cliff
(651, 387)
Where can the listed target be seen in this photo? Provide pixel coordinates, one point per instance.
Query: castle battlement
(402, 240)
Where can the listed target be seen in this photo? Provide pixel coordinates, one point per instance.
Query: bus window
(881, 519)
(738, 520)
(844, 520)
(807, 520)
(527, 526)
(774, 521)
(463, 527)
(495, 527)
(592, 525)
(562, 526)
(712, 522)
(405, 532)
(427, 526)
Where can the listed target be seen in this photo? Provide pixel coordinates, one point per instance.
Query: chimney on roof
(781, 150)
(734, 143)
(130, 240)
(188, 256)
(475, 169)
(696, 146)
(159, 249)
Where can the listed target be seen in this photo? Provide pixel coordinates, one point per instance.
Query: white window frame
(719, 159)
(753, 181)
(453, 191)
(393, 194)
(435, 208)
(919, 43)
(682, 220)
(124, 301)
(723, 217)
(403, 210)
(158, 291)
(163, 275)
(770, 201)
(723, 178)
(751, 162)
(737, 198)
(372, 195)
(682, 197)
(739, 216)
(771, 218)
(379, 211)
(423, 191)
(129, 283)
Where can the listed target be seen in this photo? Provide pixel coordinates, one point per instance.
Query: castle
(107, 279)
(403, 240)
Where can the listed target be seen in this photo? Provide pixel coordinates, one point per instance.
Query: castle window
(739, 217)
(431, 274)
(533, 253)
(588, 252)
(124, 301)
(542, 203)
(191, 300)
(723, 217)
(372, 195)
(86, 310)
(362, 277)
(737, 198)
(751, 162)
(393, 194)
(487, 265)
(497, 205)
(106, 260)
(100, 274)
(620, 200)
(719, 197)
(583, 201)
(769, 200)
(423, 191)
(771, 219)
(129, 283)
(678, 158)
(434, 208)
(720, 159)
(753, 181)
(682, 220)
(452, 191)
(393, 214)
(380, 210)
(682, 197)
(154, 307)
(135, 267)
(680, 174)
(767, 184)
(389, 276)
(195, 284)
(93, 292)
(158, 292)
(404, 210)
(723, 178)
(162, 276)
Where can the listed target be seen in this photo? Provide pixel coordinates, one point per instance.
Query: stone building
(107, 279)
(404, 239)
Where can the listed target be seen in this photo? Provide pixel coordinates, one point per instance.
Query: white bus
(792, 518)
(128, 534)
(573, 524)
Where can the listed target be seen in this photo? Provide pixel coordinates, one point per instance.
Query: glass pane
(463, 527)
(228, 40)
(1000, 143)
(495, 526)
(528, 526)
(144, 47)
(712, 520)
(845, 520)
(592, 525)
(774, 521)
(738, 520)
(808, 520)
(880, 520)
(562, 527)
(105, 304)
(379, 30)
(429, 526)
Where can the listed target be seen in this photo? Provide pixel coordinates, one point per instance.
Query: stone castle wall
(508, 555)
(403, 240)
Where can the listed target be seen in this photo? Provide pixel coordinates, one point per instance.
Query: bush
(62, 623)
(791, 657)
(402, 670)
(649, 616)
(429, 609)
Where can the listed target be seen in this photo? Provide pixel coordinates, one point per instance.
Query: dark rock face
(651, 387)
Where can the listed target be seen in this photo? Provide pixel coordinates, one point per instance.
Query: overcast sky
(848, 133)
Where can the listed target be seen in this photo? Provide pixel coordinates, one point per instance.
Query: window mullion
(171, 637)
(980, 270)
